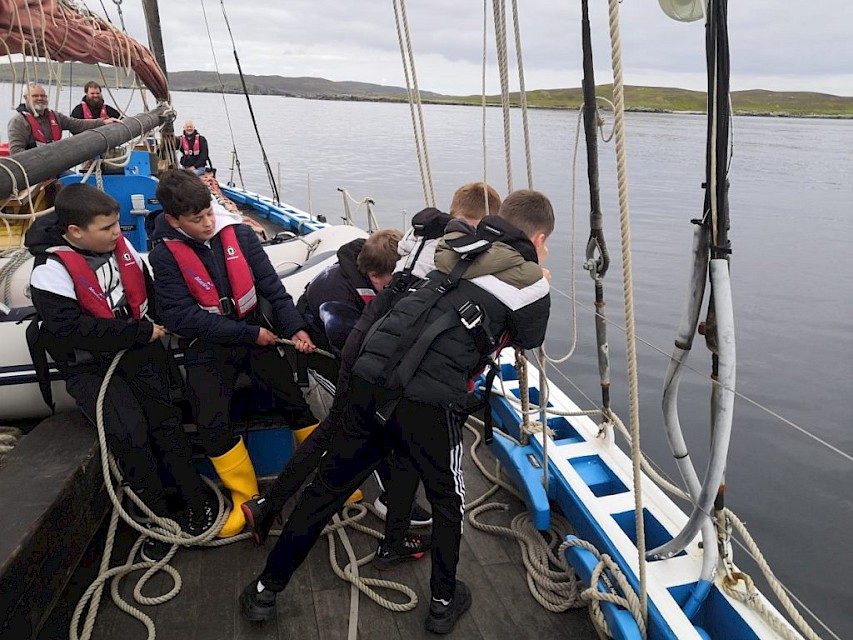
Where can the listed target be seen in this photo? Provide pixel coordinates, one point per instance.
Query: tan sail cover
(55, 30)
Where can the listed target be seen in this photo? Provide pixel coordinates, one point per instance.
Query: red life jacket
(38, 134)
(91, 296)
(365, 293)
(185, 145)
(200, 284)
(87, 112)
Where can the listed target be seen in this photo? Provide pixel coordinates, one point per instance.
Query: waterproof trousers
(143, 428)
(428, 437)
(210, 389)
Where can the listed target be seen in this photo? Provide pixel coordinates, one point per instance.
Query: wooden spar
(48, 160)
(155, 43)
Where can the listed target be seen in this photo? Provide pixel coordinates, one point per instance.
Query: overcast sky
(791, 46)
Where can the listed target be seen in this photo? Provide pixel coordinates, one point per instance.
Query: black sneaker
(198, 518)
(413, 548)
(258, 518)
(154, 550)
(442, 617)
(257, 606)
(420, 517)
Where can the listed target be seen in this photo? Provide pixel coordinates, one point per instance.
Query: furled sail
(57, 30)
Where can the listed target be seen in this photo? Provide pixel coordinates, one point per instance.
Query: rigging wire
(270, 176)
(414, 95)
(235, 157)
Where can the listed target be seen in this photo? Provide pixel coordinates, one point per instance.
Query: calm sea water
(792, 232)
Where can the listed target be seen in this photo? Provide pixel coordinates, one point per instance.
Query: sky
(804, 46)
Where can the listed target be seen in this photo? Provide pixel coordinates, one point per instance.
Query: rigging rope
(627, 279)
(500, 45)
(234, 157)
(270, 176)
(414, 95)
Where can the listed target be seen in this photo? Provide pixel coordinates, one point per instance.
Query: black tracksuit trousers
(211, 374)
(143, 427)
(427, 437)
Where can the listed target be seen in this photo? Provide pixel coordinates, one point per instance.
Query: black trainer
(442, 617)
(413, 548)
(258, 518)
(153, 550)
(257, 606)
(198, 518)
(420, 517)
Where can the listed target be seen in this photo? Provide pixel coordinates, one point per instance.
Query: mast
(168, 144)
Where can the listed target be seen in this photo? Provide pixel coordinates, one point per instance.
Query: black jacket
(342, 284)
(190, 161)
(507, 284)
(74, 339)
(77, 112)
(181, 314)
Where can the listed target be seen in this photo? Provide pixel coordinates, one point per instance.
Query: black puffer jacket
(343, 284)
(508, 285)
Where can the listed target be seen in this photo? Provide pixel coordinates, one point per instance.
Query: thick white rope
(414, 95)
(162, 529)
(522, 93)
(500, 46)
(628, 292)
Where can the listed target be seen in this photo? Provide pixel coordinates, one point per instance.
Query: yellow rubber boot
(238, 475)
(302, 435)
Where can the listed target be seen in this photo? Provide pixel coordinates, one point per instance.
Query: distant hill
(662, 99)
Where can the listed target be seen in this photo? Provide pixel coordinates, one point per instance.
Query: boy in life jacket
(333, 303)
(210, 272)
(409, 383)
(93, 296)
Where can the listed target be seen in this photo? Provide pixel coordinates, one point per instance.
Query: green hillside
(663, 99)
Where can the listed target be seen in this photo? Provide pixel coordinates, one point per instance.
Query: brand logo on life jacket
(126, 257)
(207, 286)
(231, 251)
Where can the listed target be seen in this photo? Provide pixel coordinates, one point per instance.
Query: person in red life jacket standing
(35, 124)
(92, 105)
(210, 272)
(93, 296)
(193, 146)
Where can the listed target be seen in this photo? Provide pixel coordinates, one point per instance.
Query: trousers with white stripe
(427, 437)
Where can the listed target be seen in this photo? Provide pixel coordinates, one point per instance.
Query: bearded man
(92, 105)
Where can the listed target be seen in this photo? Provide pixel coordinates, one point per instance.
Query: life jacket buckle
(470, 315)
(227, 306)
(122, 313)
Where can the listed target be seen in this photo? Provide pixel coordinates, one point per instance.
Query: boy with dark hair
(408, 386)
(210, 271)
(92, 293)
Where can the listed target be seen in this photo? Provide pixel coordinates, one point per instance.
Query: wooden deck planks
(316, 604)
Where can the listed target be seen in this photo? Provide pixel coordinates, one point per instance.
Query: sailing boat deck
(316, 604)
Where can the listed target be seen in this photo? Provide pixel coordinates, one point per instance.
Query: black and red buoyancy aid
(38, 134)
(200, 284)
(87, 112)
(91, 296)
(185, 145)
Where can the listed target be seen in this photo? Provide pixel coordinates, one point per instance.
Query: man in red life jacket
(92, 106)
(193, 146)
(210, 272)
(92, 293)
(35, 124)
